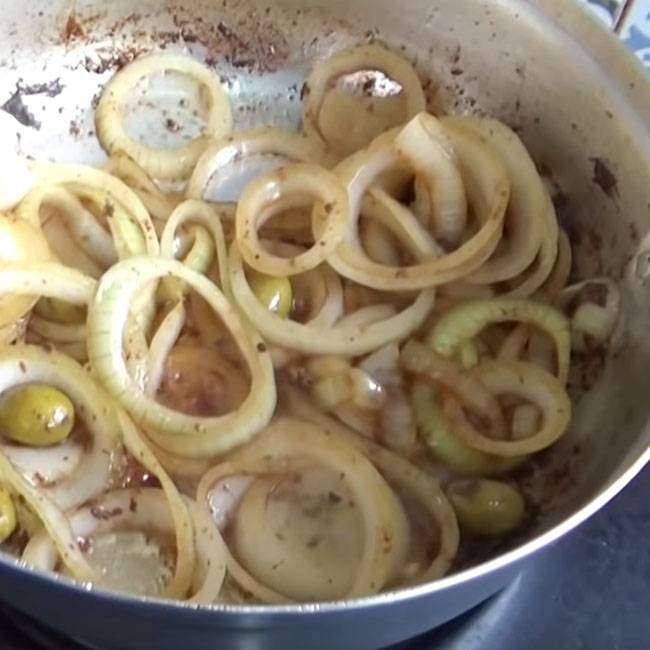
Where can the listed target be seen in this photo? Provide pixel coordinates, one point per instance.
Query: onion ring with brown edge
(180, 434)
(487, 187)
(467, 319)
(384, 519)
(167, 164)
(525, 380)
(240, 144)
(253, 211)
(355, 59)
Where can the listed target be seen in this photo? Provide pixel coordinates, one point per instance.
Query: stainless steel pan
(582, 105)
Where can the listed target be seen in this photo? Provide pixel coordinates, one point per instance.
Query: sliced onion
(19, 241)
(397, 470)
(281, 448)
(260, 195)
(319, 337)
(425, 144)
(487, 187)
(236, 146)
(168, 164)
(591, 321)
(544, 263)
(355, 59)
(469, 318)
(559, 276)
(523, 380)
(54, 520)
(147, 509)
(198, 213)
(180, 434)
(159, 205)
(87, 233)
(26, 363)
(417, 358)
(527, 206)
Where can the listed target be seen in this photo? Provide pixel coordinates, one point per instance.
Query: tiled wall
(631, 19)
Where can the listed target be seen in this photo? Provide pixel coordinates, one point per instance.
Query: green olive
(486, 507)
(36, 415)
(7, 515)
(60, 311)
(274, 293)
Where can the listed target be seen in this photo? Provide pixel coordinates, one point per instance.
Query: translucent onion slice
(87, 233)
(487, 189)
(167, 164)
(559, 276)
(356, 59)
(417, 358)
(445, 445)
(46, 279)
(349, 121)
(544, 263)
(198, 213)
(260, 195)
(524, 380)
(26, 363)
(19, 241)
(306, 557)
(235, 147)
(56, 524)
(182, 521)
(425, 144)
(159, 204)
(527, 206)
(180, 434)
(467, 319)
(287, 444)
(58, 332)
(398, 471)
(590, 321)
(142, 509)
(319, 337)
(105, 190)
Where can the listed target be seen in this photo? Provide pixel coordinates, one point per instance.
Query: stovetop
(590, 590)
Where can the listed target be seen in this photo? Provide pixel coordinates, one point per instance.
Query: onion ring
(164, 164)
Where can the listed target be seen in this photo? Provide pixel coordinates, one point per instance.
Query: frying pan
(582, 106)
